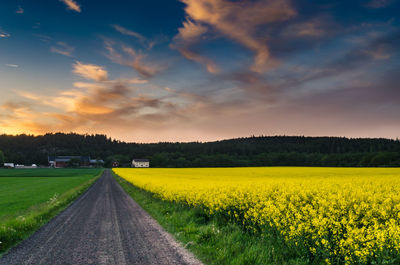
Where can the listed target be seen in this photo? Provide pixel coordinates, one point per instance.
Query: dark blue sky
(200, 69)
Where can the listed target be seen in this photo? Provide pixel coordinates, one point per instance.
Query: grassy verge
(16, 229)
(212, 239)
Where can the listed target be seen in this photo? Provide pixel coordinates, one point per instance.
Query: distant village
(75, 162)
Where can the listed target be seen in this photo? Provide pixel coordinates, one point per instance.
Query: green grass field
(31, 197)
(23, 190)
(49, 172)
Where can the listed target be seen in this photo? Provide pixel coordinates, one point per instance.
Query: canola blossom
(339, 215)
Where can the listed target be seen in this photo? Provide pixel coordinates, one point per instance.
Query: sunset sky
(149, 71)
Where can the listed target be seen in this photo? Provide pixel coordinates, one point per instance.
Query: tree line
(248, 151)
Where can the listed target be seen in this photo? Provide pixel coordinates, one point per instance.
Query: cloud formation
(239, 21)
(132, 58)
(90, 71)
(270, 66)
(187, 38)
(72, 5)
(20, 10)
(89, 105)
(13, 114)
(305, 29)
(142, 39)
(207, 62)
(191, 32)
(12, 65)
(101, 104)
(63, 49)
(378, 3)
(4, 34)
(43, 38)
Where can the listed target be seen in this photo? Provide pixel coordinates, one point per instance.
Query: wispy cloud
(20, 10)
(4, 34)
(210, 65)
(63, 49)
(12, 65)
(187, 38)
(381, 52)
(36, 25)
(72, 5)
(138, 64)
(142, 39)
(137, 81)
(132, 58)
(238, 21)
(14, 105)
(43, 38)
(125, 31)
(191, 32)
(378, 3)
(90, 71)
(305, 29)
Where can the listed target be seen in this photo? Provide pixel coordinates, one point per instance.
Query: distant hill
(249, 151)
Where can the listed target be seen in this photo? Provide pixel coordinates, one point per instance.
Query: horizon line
(197, 141)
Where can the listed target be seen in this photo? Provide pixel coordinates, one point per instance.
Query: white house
(23, 166)
(140, 163)
(9, 165)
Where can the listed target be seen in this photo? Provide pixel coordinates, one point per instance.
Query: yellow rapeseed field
(343, 215)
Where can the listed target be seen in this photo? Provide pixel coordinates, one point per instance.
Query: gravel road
(103, 226)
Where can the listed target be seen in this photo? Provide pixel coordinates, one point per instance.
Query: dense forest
(249, 151)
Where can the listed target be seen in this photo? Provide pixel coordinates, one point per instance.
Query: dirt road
(104, 226)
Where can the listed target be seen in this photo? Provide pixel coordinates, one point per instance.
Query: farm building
(140, 163)
(26, 167)
(65, 161)
(9, 165)
(12, 165)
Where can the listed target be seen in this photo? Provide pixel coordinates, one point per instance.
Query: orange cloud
(238, 21)
(190, 32)
(72, 5)
(90, 71)
(89, 106)
(125, 31)
(136, 61)
(137, 81)
(208, 63)
(188, 36)
(63, 49)
(86, 106)
(13, 114)
(112, 106)
(28, 95)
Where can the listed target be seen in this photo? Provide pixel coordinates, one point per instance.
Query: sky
(200, 70)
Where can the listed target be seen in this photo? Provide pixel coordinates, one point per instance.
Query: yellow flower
(356, 209)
